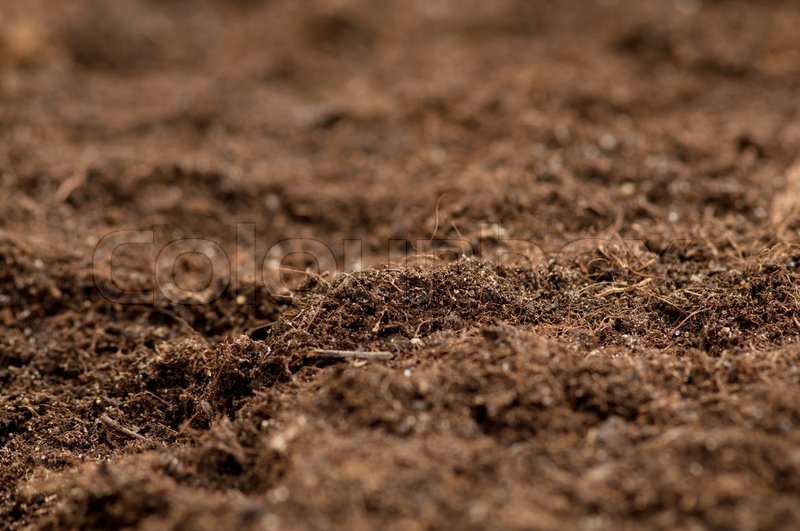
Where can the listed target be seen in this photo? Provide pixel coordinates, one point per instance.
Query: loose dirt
(572, 224)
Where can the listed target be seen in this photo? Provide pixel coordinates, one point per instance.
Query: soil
(593, 314)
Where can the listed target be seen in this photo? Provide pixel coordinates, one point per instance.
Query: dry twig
(353, 354)
(119, 428)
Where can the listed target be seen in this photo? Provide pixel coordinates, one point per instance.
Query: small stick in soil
(354, 354)
(119, 428)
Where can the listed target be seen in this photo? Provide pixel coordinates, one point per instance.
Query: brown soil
(618, 350)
